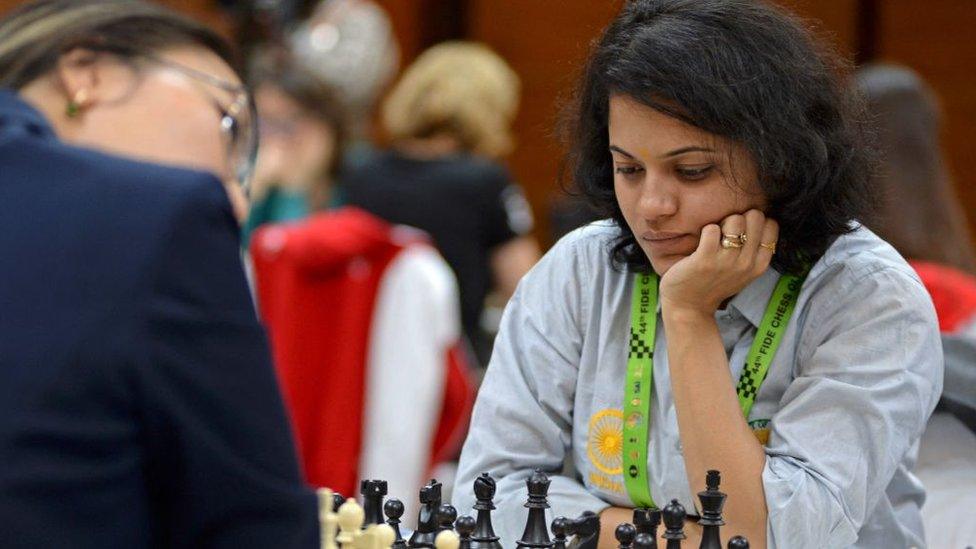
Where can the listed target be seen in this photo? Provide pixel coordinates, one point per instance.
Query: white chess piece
(328, 519)
(447, 539)
(385, 536)
(376, 536)
(351, 517)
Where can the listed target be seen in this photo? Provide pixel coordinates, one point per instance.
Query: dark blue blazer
(138, 405)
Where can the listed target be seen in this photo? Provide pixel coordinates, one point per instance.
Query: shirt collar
(14, 111)
(752, 300)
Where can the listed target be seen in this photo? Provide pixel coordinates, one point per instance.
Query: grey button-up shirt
(845, 401)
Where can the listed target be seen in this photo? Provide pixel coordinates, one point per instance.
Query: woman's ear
(77, 74)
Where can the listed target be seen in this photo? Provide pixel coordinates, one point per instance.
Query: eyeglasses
(237, 120)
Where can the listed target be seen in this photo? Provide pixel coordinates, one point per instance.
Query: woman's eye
(694, 174)
(627, 170)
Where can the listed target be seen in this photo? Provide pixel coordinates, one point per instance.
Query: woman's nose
(657, 199)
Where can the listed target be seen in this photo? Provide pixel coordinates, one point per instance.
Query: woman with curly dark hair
(732, 314)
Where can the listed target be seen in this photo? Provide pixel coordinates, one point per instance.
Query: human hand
(713, 272)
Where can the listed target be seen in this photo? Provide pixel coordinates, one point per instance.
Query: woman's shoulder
(577, 265)
(861, 254)
(860, 270)
(592, 242)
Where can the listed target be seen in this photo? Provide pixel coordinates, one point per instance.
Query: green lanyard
(640, 370)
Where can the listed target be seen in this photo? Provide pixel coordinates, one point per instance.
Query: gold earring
(77, 103)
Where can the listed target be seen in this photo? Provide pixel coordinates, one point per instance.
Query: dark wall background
(545, 41)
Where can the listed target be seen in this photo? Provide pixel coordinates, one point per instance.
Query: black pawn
(625, 534)
(373, 492)
(536, 533)
(560, 527)
(674, 523)
(738, 542)
(646, 521)
(337, 501)
(645, 541)
(465, 527)
(484, 533)
(712, 501)
(393, 508)
(446, 515)
(430, 504)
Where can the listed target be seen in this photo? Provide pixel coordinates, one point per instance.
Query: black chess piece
(559, 528)
(430, 503)
(446, 515)
(373, 492)
(674, 522)
(712, 501)
(484, 533)
(645, 541)
(646, 521)
(738, 542)
(625, 534)
(465, 527)
(337, 501)
(393, 508)
(536, 533)
(586, 528)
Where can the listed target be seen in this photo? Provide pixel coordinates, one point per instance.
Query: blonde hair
(461, 89)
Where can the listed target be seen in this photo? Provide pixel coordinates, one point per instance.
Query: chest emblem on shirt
(760, 428)
(605, 441)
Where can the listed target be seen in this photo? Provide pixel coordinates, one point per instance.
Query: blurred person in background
(138, 406)
(302, 129)
(922, 218)
(449, 118)
(363, 315)
(351, 45)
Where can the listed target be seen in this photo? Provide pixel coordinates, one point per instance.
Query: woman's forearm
(714, 435)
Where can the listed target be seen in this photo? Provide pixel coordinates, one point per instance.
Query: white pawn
(376, 536)
(328, 520)
(351, 517)
(447, 539)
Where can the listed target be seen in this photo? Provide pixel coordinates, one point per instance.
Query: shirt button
(679, 447)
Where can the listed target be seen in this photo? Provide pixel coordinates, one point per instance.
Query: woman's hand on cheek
(712, 273)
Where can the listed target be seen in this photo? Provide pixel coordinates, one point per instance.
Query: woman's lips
(666, 241)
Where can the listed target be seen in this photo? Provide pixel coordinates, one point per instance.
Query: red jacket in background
(319, 286)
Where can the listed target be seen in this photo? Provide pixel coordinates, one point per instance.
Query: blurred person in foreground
(922, 218)
(449, 118)
(302, 131)
(138, 404)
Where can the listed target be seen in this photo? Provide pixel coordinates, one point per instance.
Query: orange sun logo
(605, 441)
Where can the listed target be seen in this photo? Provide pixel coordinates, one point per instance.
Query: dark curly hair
(746, 71)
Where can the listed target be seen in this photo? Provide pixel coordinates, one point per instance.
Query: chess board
(375, 522)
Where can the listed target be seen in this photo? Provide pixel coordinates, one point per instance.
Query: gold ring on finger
(771, 246)
(731, 241)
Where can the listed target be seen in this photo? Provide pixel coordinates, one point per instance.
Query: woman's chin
(661, 265)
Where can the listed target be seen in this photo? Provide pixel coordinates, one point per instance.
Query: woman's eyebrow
(623, 152)
(684, 150)
(675, 152)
